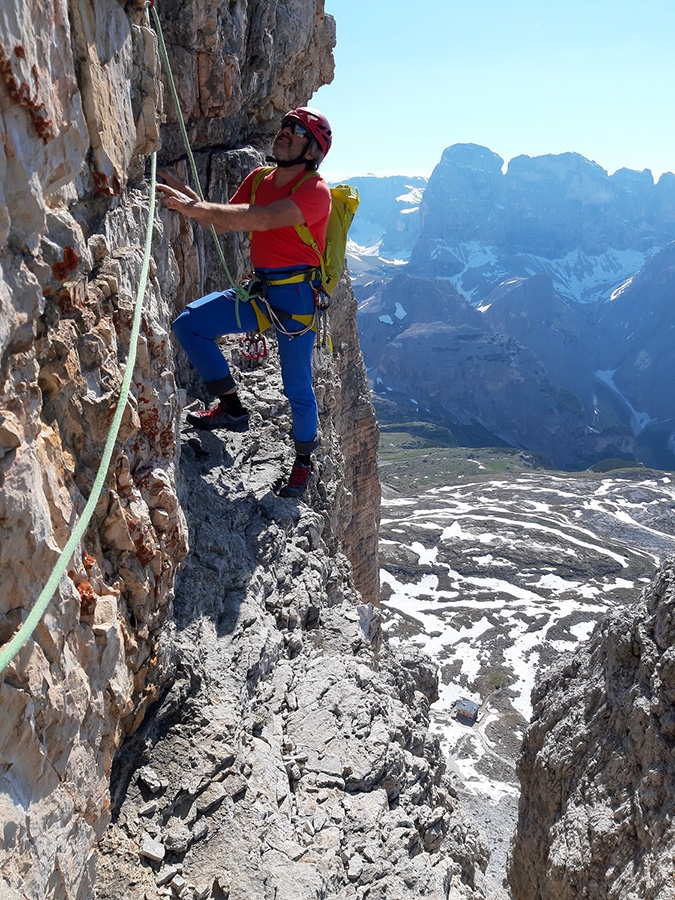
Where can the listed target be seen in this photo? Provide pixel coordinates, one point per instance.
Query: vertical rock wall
(358, 515)
(77, 92)
(273, 749)
(597, 770)
(80, 99)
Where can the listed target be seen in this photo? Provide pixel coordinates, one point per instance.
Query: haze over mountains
(533, 307)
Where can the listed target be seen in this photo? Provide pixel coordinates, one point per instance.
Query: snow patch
(427, 556)
(577, 276)
(414, 195)
(466, 621)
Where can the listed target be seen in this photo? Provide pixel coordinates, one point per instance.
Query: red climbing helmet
(316, 123)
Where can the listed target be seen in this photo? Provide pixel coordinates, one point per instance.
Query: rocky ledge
(290, 756)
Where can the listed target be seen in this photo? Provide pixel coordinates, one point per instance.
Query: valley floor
(500, 574)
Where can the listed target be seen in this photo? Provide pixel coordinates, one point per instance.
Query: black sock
(304, 458)
(232, 404)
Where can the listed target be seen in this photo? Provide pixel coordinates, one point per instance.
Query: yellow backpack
(344, 203)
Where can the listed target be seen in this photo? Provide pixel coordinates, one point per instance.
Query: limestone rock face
(240, 66)
(469, 177)
(80, 106)
(357, 522)
(573, 265)
(429, 351)
(597, 764)
(641, 316)
(388, 215)
(72, 230)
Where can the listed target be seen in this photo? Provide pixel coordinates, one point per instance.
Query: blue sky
(518, 76)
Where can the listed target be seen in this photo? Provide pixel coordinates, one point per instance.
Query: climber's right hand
(177, 184)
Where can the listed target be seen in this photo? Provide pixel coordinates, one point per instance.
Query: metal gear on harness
(254, 348)
(323, 346)
(321, 299)
(277, 318)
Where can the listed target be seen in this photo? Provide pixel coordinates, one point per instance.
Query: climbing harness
(292, 278)
(267, 315)
(9, 651)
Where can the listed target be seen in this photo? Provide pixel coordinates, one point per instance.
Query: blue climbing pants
(212, 316)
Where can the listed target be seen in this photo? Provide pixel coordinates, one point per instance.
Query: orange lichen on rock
(87, 598)
(69, 263)
(22, 94)
(109, 187)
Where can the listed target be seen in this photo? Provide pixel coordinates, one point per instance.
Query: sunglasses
(294, 127)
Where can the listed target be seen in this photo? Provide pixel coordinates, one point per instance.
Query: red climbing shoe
(217, 417)
(297, 483)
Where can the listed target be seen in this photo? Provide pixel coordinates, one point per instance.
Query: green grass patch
(409, 464)
(612, 465)
(493, 681)
(417, 455)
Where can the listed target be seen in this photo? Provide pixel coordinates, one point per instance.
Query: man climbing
(285, 265)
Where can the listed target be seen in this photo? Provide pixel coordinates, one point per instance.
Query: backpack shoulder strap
(257, 178)
(255, 184)
(303, 231)
(305, 177)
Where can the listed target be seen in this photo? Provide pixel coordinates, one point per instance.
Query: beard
(283, 148)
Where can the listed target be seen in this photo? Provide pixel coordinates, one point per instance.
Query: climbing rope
(9, 651)
(241, 292)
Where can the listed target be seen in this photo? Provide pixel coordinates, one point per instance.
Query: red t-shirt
(281, 248)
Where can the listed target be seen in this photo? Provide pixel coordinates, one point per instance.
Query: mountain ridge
(564, 259)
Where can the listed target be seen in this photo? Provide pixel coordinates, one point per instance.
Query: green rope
(241, 293)
(9, 651)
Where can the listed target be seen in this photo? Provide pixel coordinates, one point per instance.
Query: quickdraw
(324, 341)
(321, 299)
(323, 346)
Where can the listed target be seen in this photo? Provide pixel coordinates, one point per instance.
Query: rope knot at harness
(242, 293)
